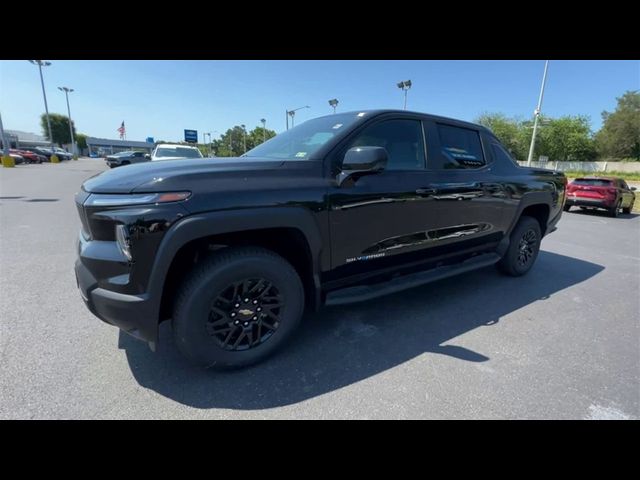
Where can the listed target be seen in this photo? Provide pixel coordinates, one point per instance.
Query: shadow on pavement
(343, 345)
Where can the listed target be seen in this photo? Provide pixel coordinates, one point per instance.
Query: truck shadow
(343, 345)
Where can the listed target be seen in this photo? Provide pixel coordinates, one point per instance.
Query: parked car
(63, 154)
(608, 193)
(166, 151)
(340, 209)
(126, 158)
(17, 159)
(60, 153)
(45, 154)
(29, 157)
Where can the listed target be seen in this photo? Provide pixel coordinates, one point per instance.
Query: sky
(162, 98)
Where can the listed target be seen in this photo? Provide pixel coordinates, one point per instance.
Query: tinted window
(461, 147)
(501, 154)
(592, 182)
(401, 138)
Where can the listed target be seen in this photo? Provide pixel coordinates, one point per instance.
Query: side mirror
(362, 160)
(633, 188)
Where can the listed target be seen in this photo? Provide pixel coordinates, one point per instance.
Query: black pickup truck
(340, 209)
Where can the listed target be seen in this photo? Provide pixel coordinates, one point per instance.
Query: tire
(567, 207)
(211, 330)
(519, 258)
(614, 211)
(629, 209)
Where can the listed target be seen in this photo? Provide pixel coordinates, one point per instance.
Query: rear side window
(592, 182)
(461, 147)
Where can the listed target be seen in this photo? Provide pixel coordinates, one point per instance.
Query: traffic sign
(191, 136)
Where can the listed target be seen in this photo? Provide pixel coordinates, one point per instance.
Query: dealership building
(102, 146)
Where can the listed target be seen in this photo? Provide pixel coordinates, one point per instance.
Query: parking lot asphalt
(562, 342)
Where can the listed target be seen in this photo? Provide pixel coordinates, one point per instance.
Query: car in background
(125, 158)
(62, 154)
(608, 193)
(29, 157)
(47, 152)
(167, 151)
(17, 159)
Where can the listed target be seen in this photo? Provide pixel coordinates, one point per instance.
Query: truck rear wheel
(523, 248)
(237, 307)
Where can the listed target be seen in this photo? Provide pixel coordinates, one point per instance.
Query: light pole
(292, 113)
(264, 129)
(405, 86)
(334, 103)
(230, 143)
(244, 132)
(536, 114)
(42, 63)
(66, 91)
(7, 160)
(204, 140)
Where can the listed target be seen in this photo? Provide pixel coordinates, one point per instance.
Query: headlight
(116, 200)
(124, 242)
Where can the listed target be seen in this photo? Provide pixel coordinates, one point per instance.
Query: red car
(611, 194)
(29, 157)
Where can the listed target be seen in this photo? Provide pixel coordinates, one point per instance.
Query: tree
(567, 138)
(231, 143)
(81, 140)
(511, 133)
(619, 137)
(59, 128)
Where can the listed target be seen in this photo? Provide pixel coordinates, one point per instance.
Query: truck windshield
(299, 143)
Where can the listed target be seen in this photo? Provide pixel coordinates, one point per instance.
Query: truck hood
(170, 175)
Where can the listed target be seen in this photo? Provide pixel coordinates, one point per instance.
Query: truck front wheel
(237, 307)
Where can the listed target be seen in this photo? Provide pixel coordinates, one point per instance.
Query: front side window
(461, 147)
(402, 139)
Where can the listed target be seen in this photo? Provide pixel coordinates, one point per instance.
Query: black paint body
(367, 229)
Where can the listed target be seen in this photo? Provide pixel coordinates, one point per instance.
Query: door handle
(426, 191)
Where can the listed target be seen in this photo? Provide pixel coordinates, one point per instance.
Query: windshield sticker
(336, 126)
(301, 154)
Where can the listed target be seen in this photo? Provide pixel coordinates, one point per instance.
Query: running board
(362, 293)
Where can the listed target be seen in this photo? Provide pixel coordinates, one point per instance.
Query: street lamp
(334, 103)
(264, 129)
(405, 86)
(292, 113)
(204, 140)
(536, 114)
(66, 91)
(244, 132)
(42, 63)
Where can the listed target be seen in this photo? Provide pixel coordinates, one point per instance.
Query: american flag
(122, 130)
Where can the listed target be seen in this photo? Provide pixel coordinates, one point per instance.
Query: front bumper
(134, 314)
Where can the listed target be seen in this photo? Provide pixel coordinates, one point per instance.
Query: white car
(167, 151)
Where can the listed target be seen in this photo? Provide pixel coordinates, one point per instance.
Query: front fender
(213, 223)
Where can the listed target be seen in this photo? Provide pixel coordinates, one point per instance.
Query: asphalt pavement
(562, 342)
